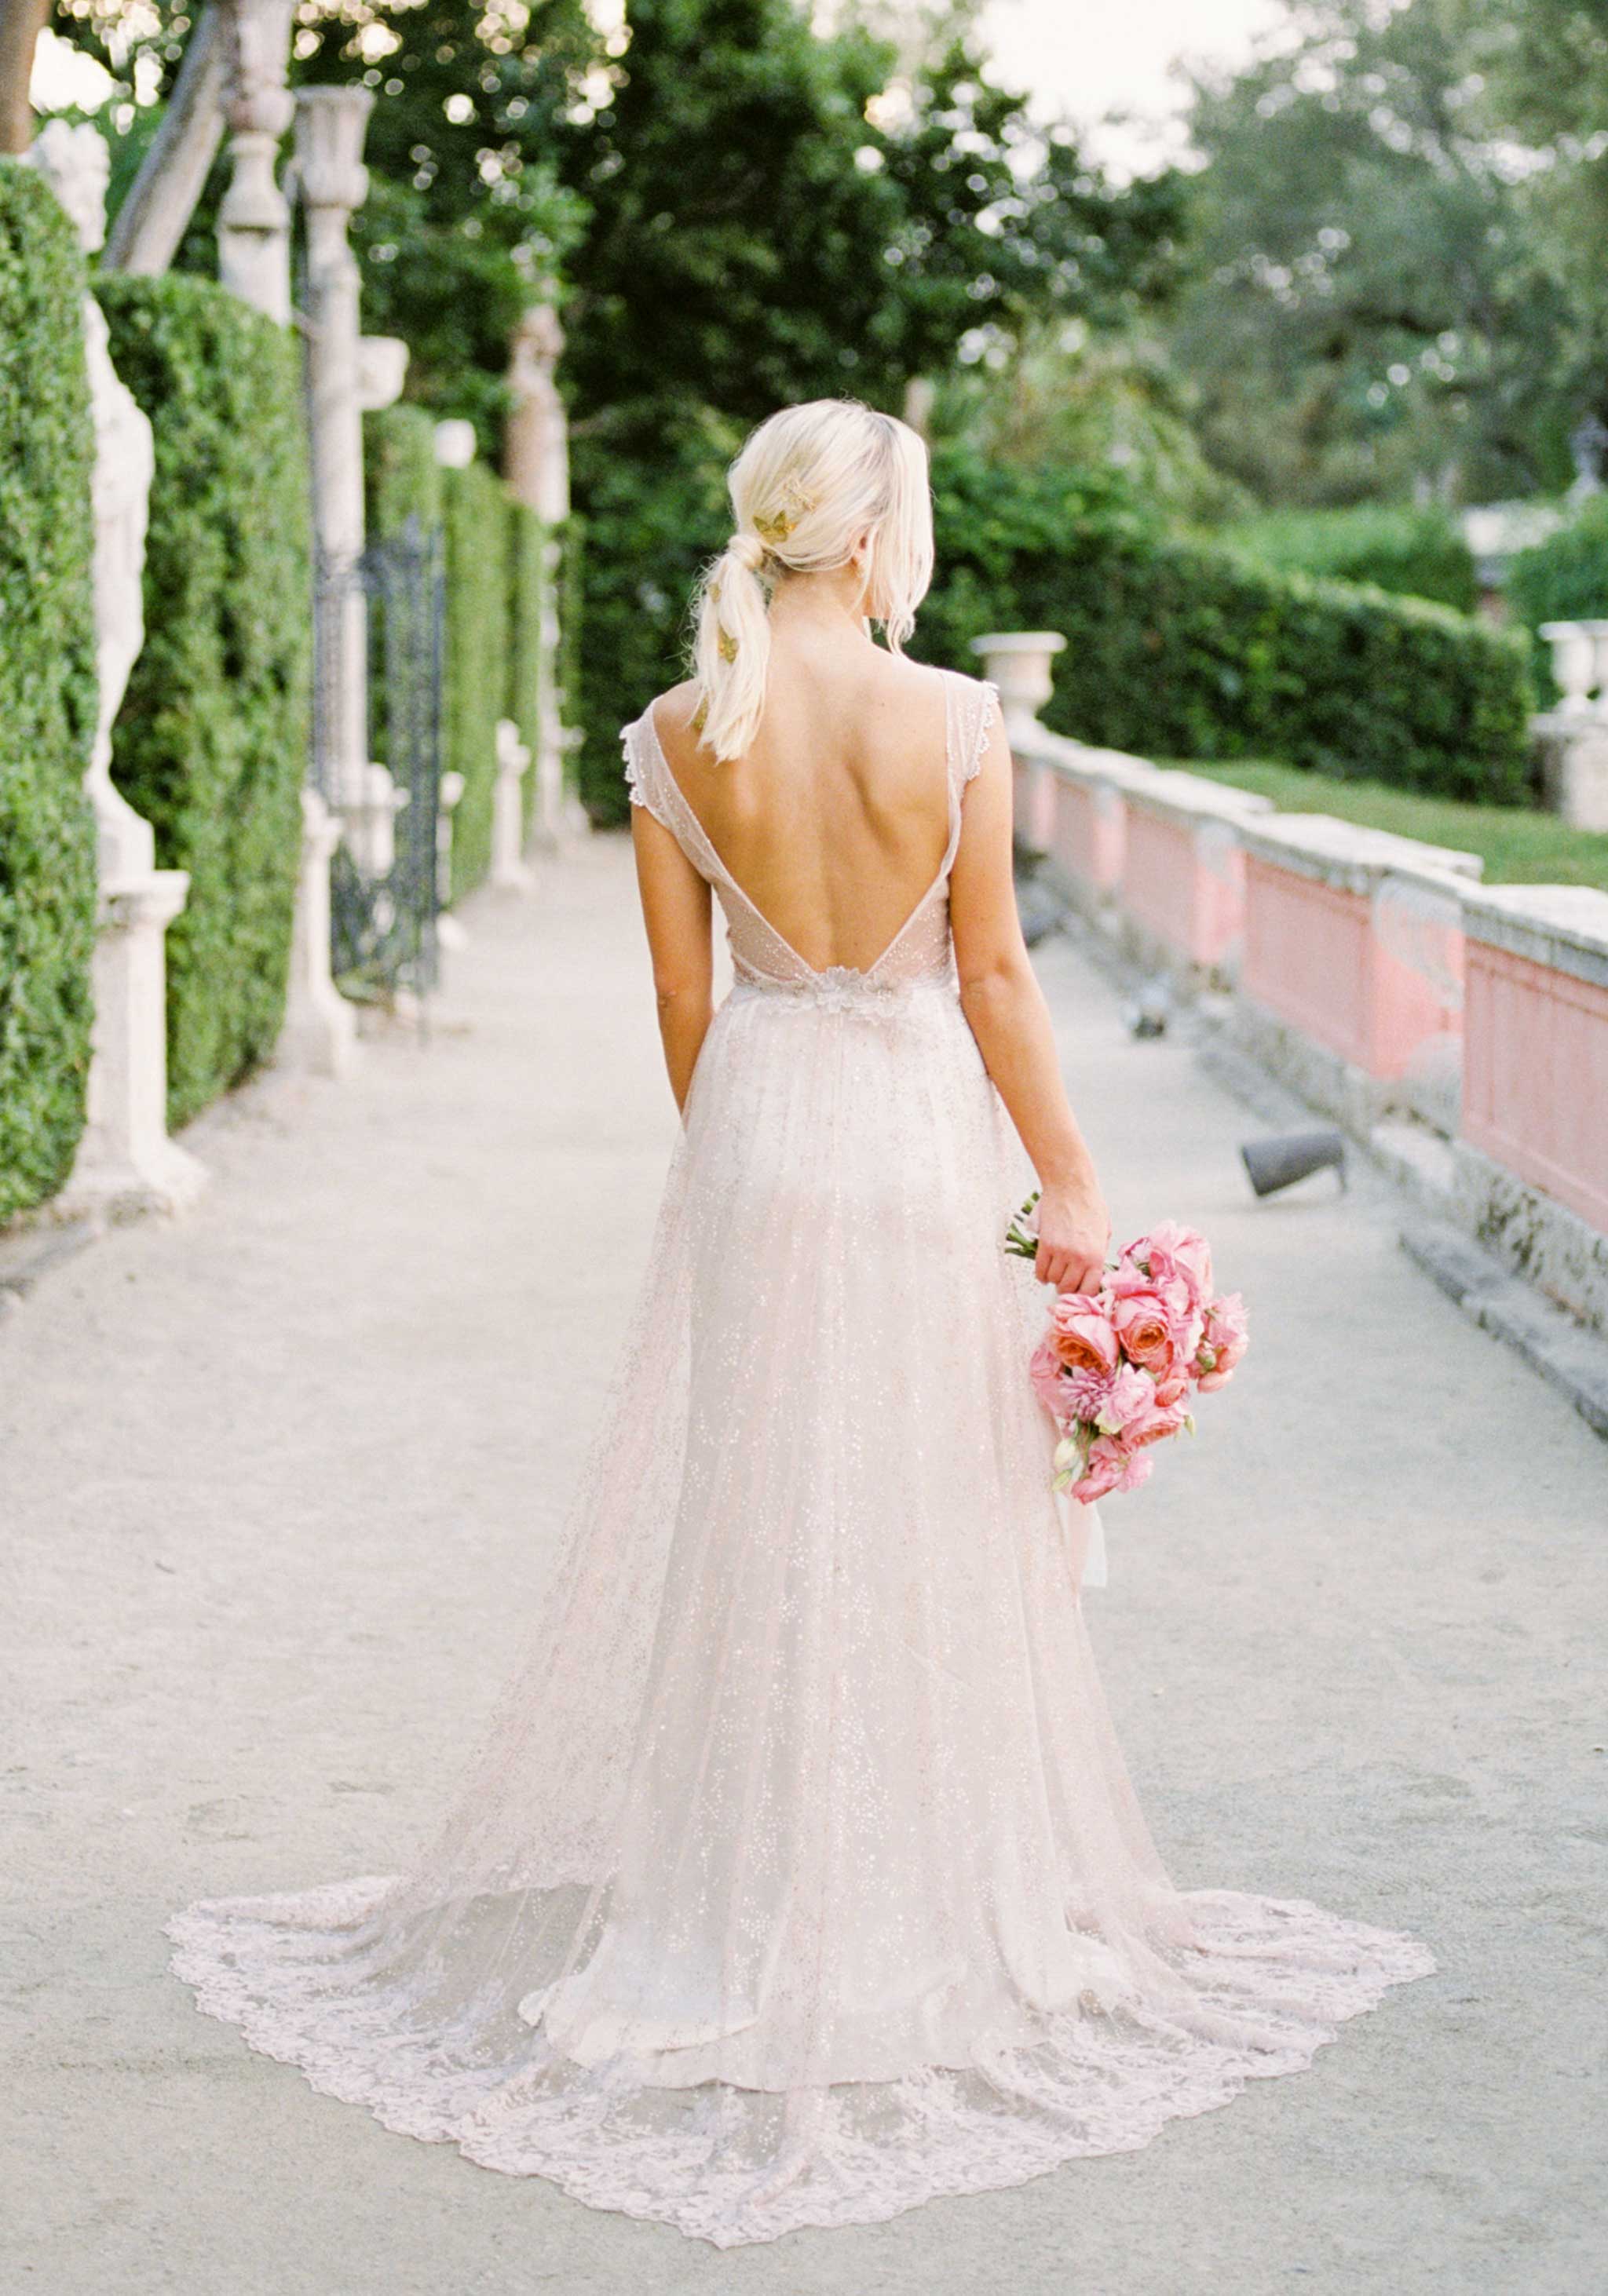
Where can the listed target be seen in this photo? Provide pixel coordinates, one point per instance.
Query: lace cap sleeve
(978, 709)
(642, 768)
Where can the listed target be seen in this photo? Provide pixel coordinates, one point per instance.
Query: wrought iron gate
(383, 614)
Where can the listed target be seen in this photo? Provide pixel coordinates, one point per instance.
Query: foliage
(1565, 578)
(1519, 846)
(1076, 398)
(210, 743)
(646, 539)
(1415, 553)
(1181, 648)
(1375, 300)
(476, 525)
(402, 478)
(47, 693)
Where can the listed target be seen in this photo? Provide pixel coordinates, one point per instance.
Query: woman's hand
(1074, 1236)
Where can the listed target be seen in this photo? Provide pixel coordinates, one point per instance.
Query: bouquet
(1117, 1367)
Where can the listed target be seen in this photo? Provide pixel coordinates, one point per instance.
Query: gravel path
(280, 1486)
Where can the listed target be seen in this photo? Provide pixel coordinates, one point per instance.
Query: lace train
(1258, 1993)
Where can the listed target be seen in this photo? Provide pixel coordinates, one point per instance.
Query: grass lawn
(1518, 846)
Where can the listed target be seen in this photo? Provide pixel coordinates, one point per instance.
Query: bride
(800, 1879)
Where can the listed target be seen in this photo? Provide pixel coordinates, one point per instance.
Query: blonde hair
(808, 484)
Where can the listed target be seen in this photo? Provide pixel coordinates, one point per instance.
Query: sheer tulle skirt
(800, 1879)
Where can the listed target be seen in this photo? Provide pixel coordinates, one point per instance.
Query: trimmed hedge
(211, 741)
(402, 476)
(1175, 649)
(476, 683)
(47, 693)
(1562, 579)
(1412, 552)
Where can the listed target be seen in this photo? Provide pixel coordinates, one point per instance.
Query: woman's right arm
(1000, 996)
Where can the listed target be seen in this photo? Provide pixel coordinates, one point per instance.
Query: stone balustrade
(1536, 1090)
(1373, 973)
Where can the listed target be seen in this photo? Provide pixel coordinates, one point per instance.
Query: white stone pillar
(535, 464)
(509, 874)
(254, 218)
(330, 125)
(125, 1161)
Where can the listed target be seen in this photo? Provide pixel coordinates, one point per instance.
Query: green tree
(1372, 307)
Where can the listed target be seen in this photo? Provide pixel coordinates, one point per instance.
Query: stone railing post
(450, 934)
(509, 874)
(320, 1032)
(254, 218)
(535, 465)
(125, 1161)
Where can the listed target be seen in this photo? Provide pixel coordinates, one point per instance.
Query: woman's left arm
(676, 910)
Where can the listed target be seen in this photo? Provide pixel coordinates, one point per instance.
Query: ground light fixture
(1279, 1162)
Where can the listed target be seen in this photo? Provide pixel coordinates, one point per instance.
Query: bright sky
(1086, 58)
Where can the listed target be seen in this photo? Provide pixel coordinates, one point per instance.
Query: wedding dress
(800, 1879)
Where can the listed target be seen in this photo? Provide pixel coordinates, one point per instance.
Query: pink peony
(1129, 1398)
(1110, 1468)
(1050, 1383)
(1176, 1254)
(1080, 1332)
(1146, 1330)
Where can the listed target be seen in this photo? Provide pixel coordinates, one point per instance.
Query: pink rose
(1145, 1328)
(1081, 1334)
(1224, 1340)
(1110, 1468)
(1154, 1426)
(1172, 1386)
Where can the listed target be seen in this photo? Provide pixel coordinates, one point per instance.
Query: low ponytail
(808, 489)
(731, 652)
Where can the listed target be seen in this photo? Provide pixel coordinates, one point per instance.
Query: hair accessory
(777, 527)
(728, 646)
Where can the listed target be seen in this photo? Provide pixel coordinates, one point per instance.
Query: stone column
(125, 1161)
(254, 218)
(535, 464)
(330, 125)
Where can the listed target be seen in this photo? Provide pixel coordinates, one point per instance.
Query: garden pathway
(280, 1484)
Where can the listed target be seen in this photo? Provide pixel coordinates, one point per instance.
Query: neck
(832, 602)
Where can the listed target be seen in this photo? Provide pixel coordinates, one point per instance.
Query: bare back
(836, 822)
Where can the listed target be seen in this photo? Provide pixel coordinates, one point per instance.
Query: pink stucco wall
(1088, 832)
(1185, 889)
(1535, 1083)
(1313, 957)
